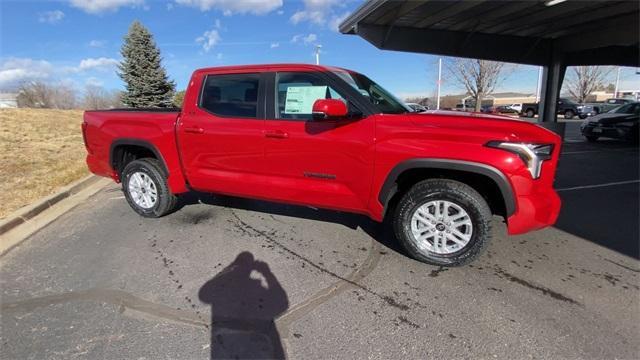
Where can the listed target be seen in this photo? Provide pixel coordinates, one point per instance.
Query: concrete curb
(26, 213)
(33, 218)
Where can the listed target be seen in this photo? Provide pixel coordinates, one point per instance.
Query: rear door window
(231, 95)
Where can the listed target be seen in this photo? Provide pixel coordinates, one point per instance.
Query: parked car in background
(472, 108)
(332, 138)
(417, 107)
(517, 107)
(506, 109)
(565, 107)
(488, 109)
(587, 110)
(619, 123)
(608, 105)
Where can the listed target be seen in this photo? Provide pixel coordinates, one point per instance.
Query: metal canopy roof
(594, 32)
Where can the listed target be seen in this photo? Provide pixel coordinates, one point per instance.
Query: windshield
(381, 98)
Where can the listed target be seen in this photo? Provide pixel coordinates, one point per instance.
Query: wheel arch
(430, 168)
(120, 147)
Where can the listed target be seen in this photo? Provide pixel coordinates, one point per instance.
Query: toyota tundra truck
(332, 138)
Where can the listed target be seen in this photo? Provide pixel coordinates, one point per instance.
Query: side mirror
(329, 108)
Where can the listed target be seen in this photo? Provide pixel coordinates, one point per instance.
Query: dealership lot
(103, 282)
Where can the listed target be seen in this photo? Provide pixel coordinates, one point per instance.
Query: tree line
(38, 94)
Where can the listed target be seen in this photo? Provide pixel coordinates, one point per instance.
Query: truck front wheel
(145, 188)
(568, 114)
(443, 222)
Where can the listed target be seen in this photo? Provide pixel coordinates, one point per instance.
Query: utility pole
(318, 47)
(539, 83)
(439, 83)
(615, 92)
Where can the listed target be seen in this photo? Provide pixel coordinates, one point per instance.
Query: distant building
(631, 94)
(599, 96)
(8, 100)
(508, 98)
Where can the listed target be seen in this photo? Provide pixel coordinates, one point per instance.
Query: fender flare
(136, 142)
(389, 187)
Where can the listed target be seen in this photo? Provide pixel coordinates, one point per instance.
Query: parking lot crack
(268, 236)
(115, 297)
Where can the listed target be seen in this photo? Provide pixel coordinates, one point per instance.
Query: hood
(479, 127)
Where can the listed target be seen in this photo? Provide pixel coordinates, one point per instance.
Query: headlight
(533, 155)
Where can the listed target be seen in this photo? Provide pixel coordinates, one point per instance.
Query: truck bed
(103, 130)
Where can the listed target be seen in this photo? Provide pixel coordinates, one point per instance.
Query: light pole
(615, 92)
(538, 85)
(439, 83)
(318, 47)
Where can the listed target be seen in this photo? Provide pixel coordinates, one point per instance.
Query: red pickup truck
(332, 138)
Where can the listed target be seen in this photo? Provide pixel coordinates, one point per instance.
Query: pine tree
(147, 84)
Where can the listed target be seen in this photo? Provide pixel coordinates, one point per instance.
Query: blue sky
(77, 42)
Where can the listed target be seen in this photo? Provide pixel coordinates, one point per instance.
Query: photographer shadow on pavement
(245, 299)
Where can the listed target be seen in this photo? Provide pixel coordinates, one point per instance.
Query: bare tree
(96, 97)
(63, 96)
(479, 77)
(34, 94)
(584, 80)
(37, 94)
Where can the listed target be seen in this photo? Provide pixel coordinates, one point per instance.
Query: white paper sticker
(300, 99)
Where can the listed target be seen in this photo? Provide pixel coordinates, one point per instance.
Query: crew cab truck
(332, 138)
(565, 107)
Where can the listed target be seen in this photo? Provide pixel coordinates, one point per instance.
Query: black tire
(569, 114)
(531, 113)
(591, 138)
(455, 192)
(166, 201)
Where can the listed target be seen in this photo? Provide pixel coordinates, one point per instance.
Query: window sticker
(300, 99)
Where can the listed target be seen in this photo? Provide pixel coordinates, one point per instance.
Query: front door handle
(194, 130)
(276, 134)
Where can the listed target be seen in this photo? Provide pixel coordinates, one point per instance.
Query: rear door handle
(194, 130)
(277, 134)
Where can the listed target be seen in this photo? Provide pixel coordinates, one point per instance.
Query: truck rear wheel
(530, 113)
(145, 188)
(443, 222)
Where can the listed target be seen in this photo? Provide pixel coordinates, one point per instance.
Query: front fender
(389, 189)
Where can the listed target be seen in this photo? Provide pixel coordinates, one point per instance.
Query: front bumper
(537, 203)
(535, 211)
(606, 131)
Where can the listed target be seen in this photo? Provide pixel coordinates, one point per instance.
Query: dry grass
(41, 150)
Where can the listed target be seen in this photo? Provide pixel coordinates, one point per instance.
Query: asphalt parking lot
(225, 277)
